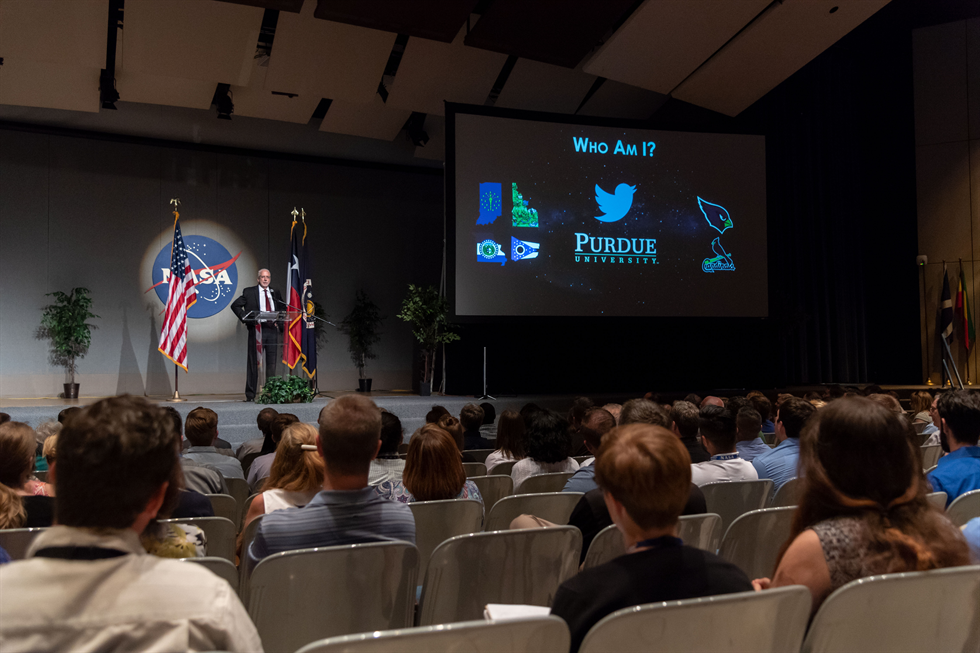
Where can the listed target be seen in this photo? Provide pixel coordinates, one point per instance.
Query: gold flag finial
(294, 213)
(176, 202)
(302, 212)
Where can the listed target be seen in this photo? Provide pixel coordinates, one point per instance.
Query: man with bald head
(263, 338)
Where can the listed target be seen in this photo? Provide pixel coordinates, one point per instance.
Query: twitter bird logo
(615, 206)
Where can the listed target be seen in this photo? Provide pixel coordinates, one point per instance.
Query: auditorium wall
(94, 212)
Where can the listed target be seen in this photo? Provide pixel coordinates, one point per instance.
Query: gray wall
(87, 212)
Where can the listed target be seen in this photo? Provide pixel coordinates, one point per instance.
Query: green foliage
(522, 215)
(65, 323)
(361, 326)
(288, 390)
(428, 313)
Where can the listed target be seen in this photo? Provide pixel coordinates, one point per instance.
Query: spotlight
(108, 95)
(222, 101)
(414, 129)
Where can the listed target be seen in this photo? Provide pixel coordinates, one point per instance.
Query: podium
(276, 322)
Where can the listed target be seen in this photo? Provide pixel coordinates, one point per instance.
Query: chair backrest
(581, 459)
(504, 468)
(788, 494)
(607, 545)
(541, 483)
(437, 521)
(935, 610)
(219, 531)
(493, 488)
(248, 460)
(556, 507)
(238, 488)
(523, 566)
(730, 499)
(937, 499)
(16, 541)
(474, 469)
(244, 564)
(224, 505)
(246, 505)
(297, 597)
(41, 476)
(773, 621)
(930, 455)
(480, 455)
(700, 531)
(964, 508)
(222, 567)
(532, 635)
(753, 541)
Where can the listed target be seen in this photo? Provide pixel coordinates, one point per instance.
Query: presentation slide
(555, 219)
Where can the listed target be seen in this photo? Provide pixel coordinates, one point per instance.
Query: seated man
(201, 430)
(87, 584)
(595, 424)
(643, 411)
(685, 420)
(748, 422)
(959, 471)
(932, 430)
(471, 419)
(348, 510)
(644, 473)
(780, 464)
(718, 434)
(198, 477)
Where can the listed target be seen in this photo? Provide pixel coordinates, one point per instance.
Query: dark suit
(248, 302)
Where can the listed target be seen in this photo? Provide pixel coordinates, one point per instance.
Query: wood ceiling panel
(327, 59)
(192, 39)
(62, 86)
(371, 119)
(257, 101)
(559, 32)
(782, 40)
(664, 41)
(438, 20)
(58, 31)
(431, 73)
(435, 149)
(293, 6)
(617, 100)
(168, 91)
(537, 86)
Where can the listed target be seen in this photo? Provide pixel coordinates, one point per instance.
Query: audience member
(256, 445)
(735, 404)
(857, 519)
(4, 418)
(921, 402)
(510, 440)
(198, 477)
(971, 532)
(575, 415)
(749, 424)
(932, 431)
(614, 410)
(685, 423)
(644, 473)
(433, 471)
(718, 433)
(958, 472)
(201, 429)
(174, 540)
(888, 402)
(595, 424)
(527, 410)
(115, 463)
(432, 417)
(388, 466)
(711, 401)
(547, 447)
(262, 466)
(347, 510)
(780, 463)
(19, 506)
(471, 419)
(44, 431)
(693, 399)
(489, 427)
(451, 425)
(50, 453)
(762, 404)
(643, 411)
(67, 413)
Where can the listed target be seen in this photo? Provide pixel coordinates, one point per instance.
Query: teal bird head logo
(614, 205)
(717, 216)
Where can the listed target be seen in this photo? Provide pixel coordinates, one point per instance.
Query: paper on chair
(497, 611)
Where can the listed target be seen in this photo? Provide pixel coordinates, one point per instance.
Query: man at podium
(263, 337)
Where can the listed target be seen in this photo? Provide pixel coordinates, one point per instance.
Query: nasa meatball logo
(214, 269)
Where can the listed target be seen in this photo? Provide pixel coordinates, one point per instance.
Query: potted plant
(285, 390)
(65, 323)
(361, 326)
(428, 313)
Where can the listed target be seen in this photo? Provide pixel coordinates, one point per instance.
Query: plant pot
(425, 389)
(364, 385)
(71, 391)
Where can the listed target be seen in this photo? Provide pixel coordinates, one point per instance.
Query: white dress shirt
(723, 467)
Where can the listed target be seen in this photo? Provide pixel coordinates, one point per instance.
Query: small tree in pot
(428, 313)
(65, 323)
(361, 326)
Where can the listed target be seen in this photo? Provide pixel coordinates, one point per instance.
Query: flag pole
(176, 396)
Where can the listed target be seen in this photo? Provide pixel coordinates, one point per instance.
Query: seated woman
(510, 440)
(50, 453)
(451, 425)
(433, 471)
(921, 403)
(19, 507)
(262, 466)
(548, 444)
(863, 509)
(43, 431)
(388, 465)
(644, 472)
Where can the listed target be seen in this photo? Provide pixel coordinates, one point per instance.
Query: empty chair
(297, 597)
(935, 610)
(222, 567)
(474, 469)
(479, 455)
(238, 488)
(224, 505)
(930, 455)
(753, 540)
(773, 621)
(937, 499)
(730, 499)
(219, 531)
(493, 488)
(541, 483)
(532, 635)
(700, 531)
(964, 508)
(505, 468)
(16, 541)
(788, 494)
(555, 507)
(437, 521)
(523, 566)
(606, 546)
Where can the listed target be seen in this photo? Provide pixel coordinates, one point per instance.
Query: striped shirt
(333, 518)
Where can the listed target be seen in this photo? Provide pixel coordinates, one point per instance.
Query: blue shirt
(779, 464)
(768, 427)
(332, 518)
(582, 481)
(751, 449)
(972, 534)
(957, 473)
(228, 466)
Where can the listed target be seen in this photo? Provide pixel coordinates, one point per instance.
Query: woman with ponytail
(18, 507)
(863, 510)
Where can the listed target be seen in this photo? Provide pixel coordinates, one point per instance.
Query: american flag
(182, 295)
